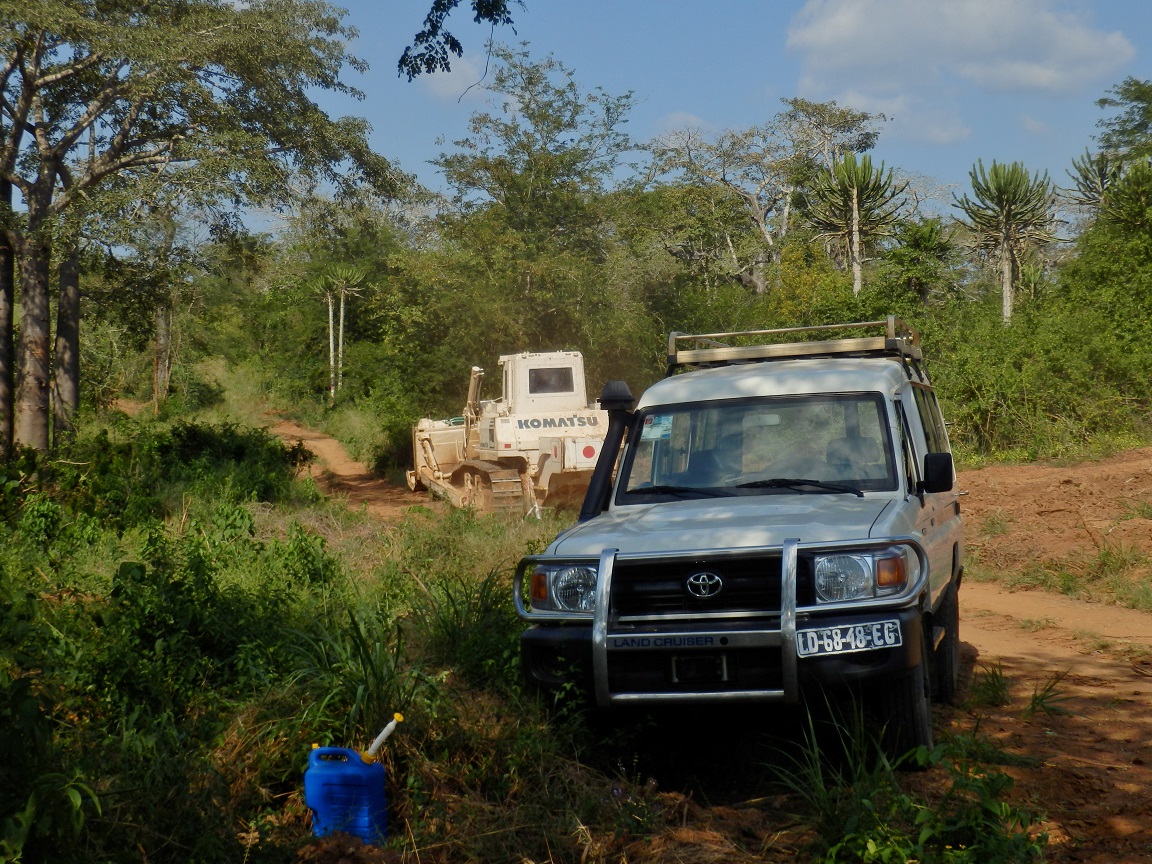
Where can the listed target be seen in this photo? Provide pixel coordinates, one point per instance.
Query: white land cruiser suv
(782, 520)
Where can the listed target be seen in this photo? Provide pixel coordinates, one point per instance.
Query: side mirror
(938, 473)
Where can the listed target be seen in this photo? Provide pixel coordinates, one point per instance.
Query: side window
(930, 419)
(911, 470)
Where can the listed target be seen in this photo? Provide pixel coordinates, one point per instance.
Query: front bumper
(557, 656)
(753, 657)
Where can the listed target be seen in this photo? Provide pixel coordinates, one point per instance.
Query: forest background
(153, 605)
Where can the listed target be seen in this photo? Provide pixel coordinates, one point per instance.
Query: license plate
(848, 638)
(701, 669)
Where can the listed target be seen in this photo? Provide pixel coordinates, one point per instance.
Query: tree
(195, 100)
(543, 155)
(751, 166)
(1128, 135)
(852, 203)
(1011, 213)
(430, 48)
(766, 168)
(701, 227)
(7, 313)
(921, 257)
(1092, 175)
(335, 287)
(1128, 203)
(820, 133)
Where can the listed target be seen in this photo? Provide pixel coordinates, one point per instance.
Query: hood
(726, 523)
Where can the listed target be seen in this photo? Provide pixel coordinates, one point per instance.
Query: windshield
(831, 443)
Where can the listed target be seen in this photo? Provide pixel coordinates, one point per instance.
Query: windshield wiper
(703, 491)
(796, 483)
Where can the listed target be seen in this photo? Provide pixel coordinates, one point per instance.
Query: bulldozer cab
(538, 382)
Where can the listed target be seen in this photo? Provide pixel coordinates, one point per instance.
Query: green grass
(181, 619)
(854, 800)
(1047, 698)
(1035, 625)
(990, 687)
(993, 524)
(1113, 573)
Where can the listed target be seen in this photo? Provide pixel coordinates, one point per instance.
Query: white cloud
(678, 121)
(1033, 126)
(920, 55)
(463, 83)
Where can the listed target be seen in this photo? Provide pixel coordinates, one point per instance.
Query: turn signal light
(539, 586)
(891, 571)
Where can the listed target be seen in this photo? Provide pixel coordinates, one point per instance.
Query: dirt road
(338, 475)
(1092, 752)
(1089, 522)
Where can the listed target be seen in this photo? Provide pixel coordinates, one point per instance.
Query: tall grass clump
(141, 615)
(860, 810)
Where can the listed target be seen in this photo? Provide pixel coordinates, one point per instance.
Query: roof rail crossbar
(716, 349)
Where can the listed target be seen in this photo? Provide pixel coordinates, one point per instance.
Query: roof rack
(714, 349)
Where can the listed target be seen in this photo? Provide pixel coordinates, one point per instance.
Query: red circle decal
(589, 452)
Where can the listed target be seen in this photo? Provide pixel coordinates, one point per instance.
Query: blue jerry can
(345, 793)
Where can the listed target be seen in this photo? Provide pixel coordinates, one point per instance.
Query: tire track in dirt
(1093, 774)
(338, 475)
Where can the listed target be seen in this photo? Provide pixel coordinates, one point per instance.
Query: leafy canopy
(1128, 135)
(543, 153)
(206, 100)
(1009, 206)
(430, 48)
(855, 196)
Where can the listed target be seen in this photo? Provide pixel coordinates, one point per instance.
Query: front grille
(660, 587)
(695, 671)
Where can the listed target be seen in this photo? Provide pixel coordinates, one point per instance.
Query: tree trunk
(7, 305)
(331, 352)
(31, 410)
(857, 269)
(162, 355)
(1009, 298)
(340, 348)
(66, 368)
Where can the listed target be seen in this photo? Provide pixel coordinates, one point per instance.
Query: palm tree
(1129, 199)
(334, 287)
(852, 202)
(1093, 175)
(1012, 212)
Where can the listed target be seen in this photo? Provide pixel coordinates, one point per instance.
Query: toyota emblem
(704, 585)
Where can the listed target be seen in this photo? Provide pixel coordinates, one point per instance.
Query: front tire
(903, 706)
(946, 658)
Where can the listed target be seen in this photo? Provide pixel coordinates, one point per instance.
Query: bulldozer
(536, 445)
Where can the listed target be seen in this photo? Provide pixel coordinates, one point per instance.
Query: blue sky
(959, 79)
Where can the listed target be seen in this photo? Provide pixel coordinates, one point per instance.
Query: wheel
(904, 707)
(946, 658)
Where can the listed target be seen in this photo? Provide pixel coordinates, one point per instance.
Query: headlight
(862, 576)
(569, 588)
(843, 577)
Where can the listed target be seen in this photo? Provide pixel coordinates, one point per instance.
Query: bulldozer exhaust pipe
(472, 406)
